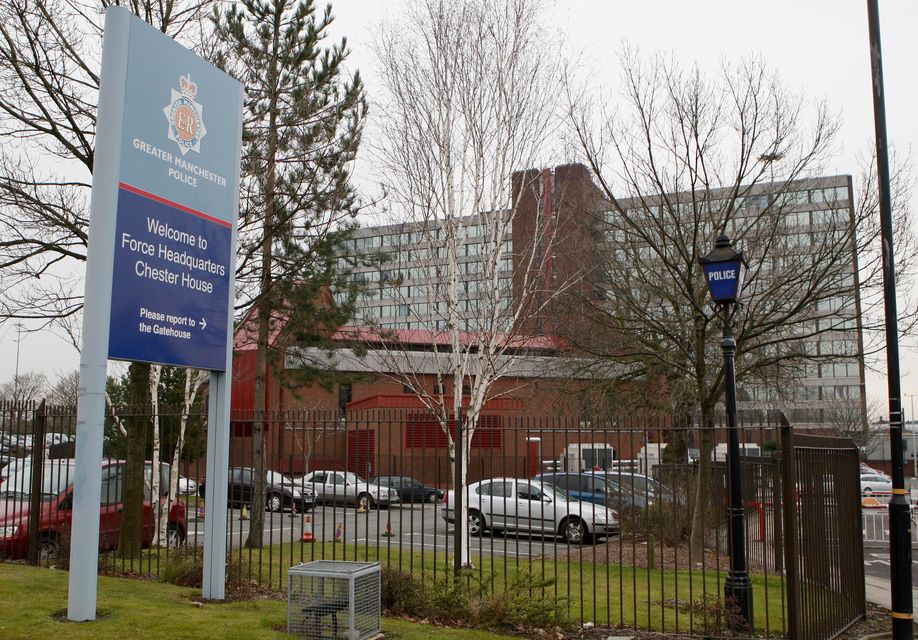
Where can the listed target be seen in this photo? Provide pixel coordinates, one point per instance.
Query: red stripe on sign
(174, 205)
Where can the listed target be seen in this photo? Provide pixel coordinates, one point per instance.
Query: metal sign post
(159, 275)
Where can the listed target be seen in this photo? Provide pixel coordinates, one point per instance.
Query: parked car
(532, 506)
(56, 513)
(409, 489)
(52, 439)
(344, 487)
(599, 488)
(871, 483)
(187, 486)
(15, 444)
(643, 484)
(281, 492)
(866, 469)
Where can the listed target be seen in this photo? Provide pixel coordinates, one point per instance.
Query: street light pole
(900, 523)
(19, 329)
(724, 269)
(737, 583)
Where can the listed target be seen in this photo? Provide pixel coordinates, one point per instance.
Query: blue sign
(178, 187)
(171, 276)
(724, 279)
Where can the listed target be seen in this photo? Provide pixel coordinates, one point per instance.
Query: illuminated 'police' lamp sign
(724, 269)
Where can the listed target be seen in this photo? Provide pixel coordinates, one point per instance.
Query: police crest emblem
(185, 117)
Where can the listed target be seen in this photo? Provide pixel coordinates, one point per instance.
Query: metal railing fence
(658, 563)
(824, 550)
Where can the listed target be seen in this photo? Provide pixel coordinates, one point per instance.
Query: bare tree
(683, 158)
(24, 388)
(50, 52)
(193, 379)
(66, 388)
(851, 418)
(470, 91)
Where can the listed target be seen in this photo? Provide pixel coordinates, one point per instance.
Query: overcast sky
(820, 47)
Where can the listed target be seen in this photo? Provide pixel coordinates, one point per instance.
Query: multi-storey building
(557, 235)
(801, 240)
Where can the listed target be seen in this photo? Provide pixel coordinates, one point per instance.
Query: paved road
(414, 527)
(876, 564)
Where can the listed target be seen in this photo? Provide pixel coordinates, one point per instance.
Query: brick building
(551, 236)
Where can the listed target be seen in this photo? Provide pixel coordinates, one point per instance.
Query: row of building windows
(831, 196)
(464, 324)
(431, 273)
(404, 239)
(429, 293)
(802, 393)
(421, 309)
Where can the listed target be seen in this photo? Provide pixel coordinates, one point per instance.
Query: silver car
(531, 506)
(344, 487)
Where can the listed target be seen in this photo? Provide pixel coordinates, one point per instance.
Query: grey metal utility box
(331, 599)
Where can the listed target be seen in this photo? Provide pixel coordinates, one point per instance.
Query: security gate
(823, 546)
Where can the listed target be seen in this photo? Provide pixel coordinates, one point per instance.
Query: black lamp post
(725, 269)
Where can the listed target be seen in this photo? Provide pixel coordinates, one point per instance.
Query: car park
(599, 488)
(531, 506)
(344, 487)
(56, 513)
(874, 483)
(281, 492)
(409, 489)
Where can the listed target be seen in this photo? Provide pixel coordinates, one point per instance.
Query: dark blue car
(409, 489)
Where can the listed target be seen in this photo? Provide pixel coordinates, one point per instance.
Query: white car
(873, 483)
(187, 486)
(344, 487)
(52, 439)
(534, 507)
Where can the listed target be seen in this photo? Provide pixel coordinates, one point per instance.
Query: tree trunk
(264, 306)
(676, 451)
(255, 538)
(192, 386)
(130, 538)
(465, 558)
(155, 489)
(703, 486)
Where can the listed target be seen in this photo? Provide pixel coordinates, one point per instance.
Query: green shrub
(184, 567)
(524, 601)
(403, 593)
(670, 523)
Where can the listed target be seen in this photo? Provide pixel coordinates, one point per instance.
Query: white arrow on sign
(203, 324)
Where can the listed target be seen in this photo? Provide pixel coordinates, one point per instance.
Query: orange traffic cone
(307, 529)
(388, 533)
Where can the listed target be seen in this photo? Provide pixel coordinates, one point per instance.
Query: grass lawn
(33, 601)
(609, 595)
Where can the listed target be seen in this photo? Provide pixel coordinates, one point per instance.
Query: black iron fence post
(789, 516)
(777, 503)
(38, 452)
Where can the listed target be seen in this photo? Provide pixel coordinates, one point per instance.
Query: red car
(56, 508)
